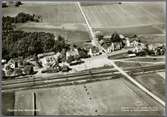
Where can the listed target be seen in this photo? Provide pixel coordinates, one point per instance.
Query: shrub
(28, 70)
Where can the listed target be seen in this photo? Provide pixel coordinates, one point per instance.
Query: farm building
(113, 42)
(73, 51)
(51, 60)
(45, 54)
(12, 68)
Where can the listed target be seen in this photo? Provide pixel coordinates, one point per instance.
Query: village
(52, 62)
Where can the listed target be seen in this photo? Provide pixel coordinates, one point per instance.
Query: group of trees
(19, 18)
(19, 43)
(16, 4)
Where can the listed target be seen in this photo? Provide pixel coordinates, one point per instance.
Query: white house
(127, 42)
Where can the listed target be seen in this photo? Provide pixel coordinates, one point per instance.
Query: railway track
(71, 79)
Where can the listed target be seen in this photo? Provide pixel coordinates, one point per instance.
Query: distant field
(133, 29)
(153, 39)
(55, 13)
(126, 17)
(8, 102)
(73, 37)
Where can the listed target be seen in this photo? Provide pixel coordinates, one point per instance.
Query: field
(154, 82)
(52, 13)
(124, 64)
(24, 103)
(71, 36)
(127, 17)
(100, 98)
(148, 59)
(8, 102)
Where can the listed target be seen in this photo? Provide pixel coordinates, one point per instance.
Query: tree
(28, 70)
(65, 68)
(4, 5)
(99, 35)
(70, 59)
(18, 3)
(115, 37)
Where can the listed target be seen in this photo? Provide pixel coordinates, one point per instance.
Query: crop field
(52, 13)
(136, 18)
(71, 36)
(8, 102)
(154, 82)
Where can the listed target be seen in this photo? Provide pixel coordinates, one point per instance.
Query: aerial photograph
(83, 58)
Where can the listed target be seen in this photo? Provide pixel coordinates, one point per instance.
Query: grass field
(153, 38)
(123, 64)
(100, 98)
(71, 36)
(55, 13)
(154, 82)
(149, 59)
(8, 102)
(24, 103)
(126, 17)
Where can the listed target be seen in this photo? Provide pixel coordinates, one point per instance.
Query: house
(72, 52)
(45, 54)
(12, 63)
(114, 42)
(134, 43)
(93, 51)
(50, 61)
(127, 42)
(111, 48)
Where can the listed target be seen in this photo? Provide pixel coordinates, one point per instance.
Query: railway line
(71, 79)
